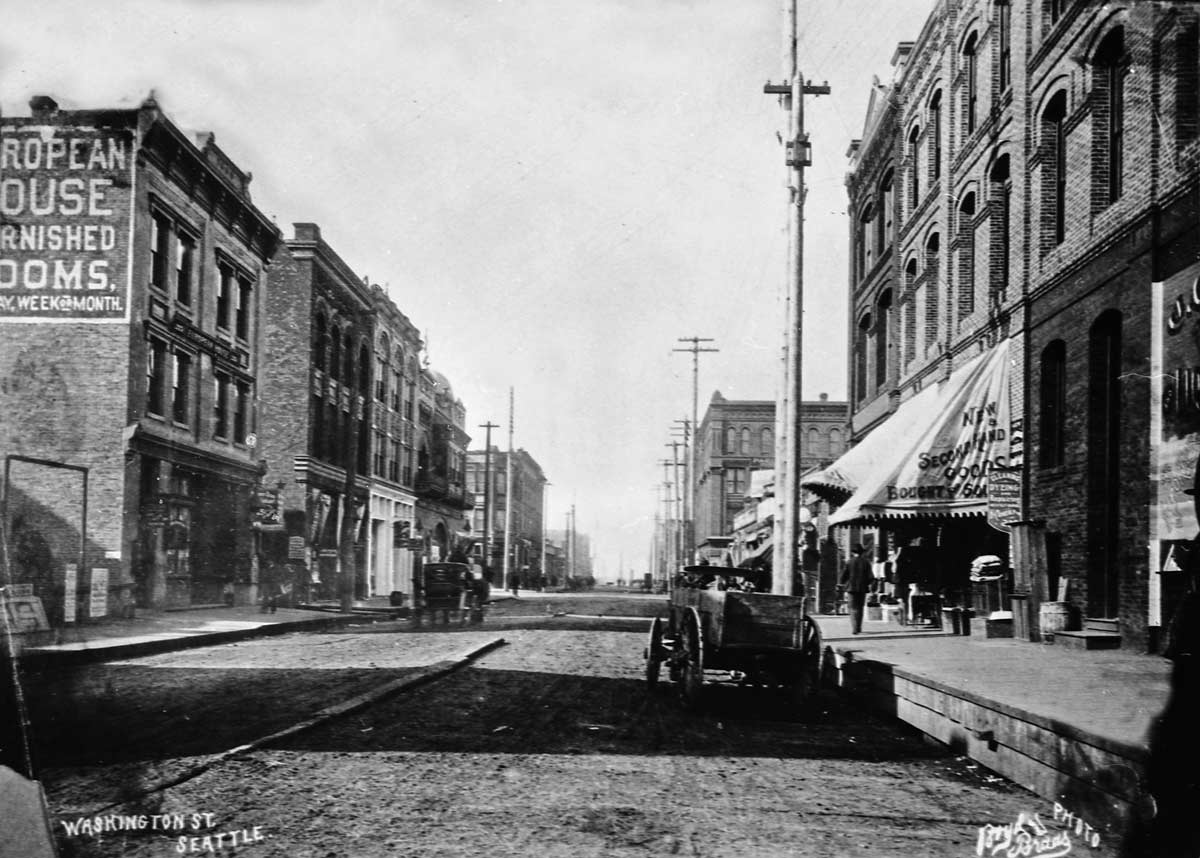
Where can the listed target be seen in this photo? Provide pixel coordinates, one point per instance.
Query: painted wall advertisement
(1174, 432)
(65, 222)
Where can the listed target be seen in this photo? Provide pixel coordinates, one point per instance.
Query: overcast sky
(554, 191)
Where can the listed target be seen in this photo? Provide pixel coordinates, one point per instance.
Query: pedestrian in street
(270, 580)
(857, 579)
(514, 582)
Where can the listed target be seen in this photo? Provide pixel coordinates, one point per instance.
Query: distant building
(737, 438)
(528, 497)
(132, 274)
(443, 500)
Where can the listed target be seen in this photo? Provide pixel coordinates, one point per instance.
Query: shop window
(1052, 405)
(156, 376)
(181, 388)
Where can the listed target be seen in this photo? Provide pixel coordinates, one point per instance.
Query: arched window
(382, 373)
(971, 93)
(863, 242)
(1052, 405)
(768, 442)
(914, 167)
(320, 339)
(348, 360)
(814, 446)
(934, 132)
(1111, 70)
(932, 290)
(1054, 171)
(883, 320)
(745, 448)
(861, 347)
(835, 442)
(1001, 223)
(910, 312)
(730, 440)
(335, 352)
(966, 256)
(887, 210)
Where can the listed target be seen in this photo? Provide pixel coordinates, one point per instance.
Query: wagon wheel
(691, 641)
(654, 653)
(807, 681)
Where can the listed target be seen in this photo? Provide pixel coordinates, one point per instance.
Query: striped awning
(932, 457)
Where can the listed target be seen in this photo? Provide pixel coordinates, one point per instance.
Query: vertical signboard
(70, 582)
(98, 603)
(65, 222)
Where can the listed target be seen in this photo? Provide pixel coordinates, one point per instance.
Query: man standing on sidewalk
(857, 579)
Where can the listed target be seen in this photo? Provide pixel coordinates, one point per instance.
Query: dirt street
(547, 746)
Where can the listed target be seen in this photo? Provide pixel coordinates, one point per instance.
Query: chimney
(43, 106)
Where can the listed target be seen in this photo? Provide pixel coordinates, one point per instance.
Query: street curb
(35, 660)
(424, 675)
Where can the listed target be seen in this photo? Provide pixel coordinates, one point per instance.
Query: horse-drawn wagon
(720, 620)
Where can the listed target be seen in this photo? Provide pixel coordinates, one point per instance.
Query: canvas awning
(755, 556)
(932, 457)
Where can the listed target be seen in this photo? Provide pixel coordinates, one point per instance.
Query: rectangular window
(220, 405)
(181, 387)
(394, 461)
(244, 296)
(156, 377)
(381, 379)
(396, 381)
(160, 251)
(1060, 180)
(225, 288)
(241, 413)
(377, 456)
(185, 253)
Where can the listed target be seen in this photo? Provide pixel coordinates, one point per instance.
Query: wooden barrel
(1053, 617)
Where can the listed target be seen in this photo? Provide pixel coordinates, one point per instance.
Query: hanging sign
(1004, 498)
(98, 603)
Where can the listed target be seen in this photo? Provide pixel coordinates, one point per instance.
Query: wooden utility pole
(487, 497)
(787, 577)
(690, 534)
(508, 500)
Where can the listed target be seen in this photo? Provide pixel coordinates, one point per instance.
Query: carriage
(720, 620)
(445, 589)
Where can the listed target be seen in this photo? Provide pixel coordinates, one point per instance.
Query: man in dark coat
(857, 579)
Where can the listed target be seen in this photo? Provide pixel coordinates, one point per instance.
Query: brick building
(318, 408)
(441, 440)
(528, 497)
(1024, 205)
(736, 438)
(132, 274)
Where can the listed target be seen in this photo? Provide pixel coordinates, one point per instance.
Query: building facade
(318, 408)
(132, 270)
(391, 546)
(443, 500)
(1023, 227)
(737, 438)
(526, 549)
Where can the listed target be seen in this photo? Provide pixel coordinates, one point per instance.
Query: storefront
(915, 491)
